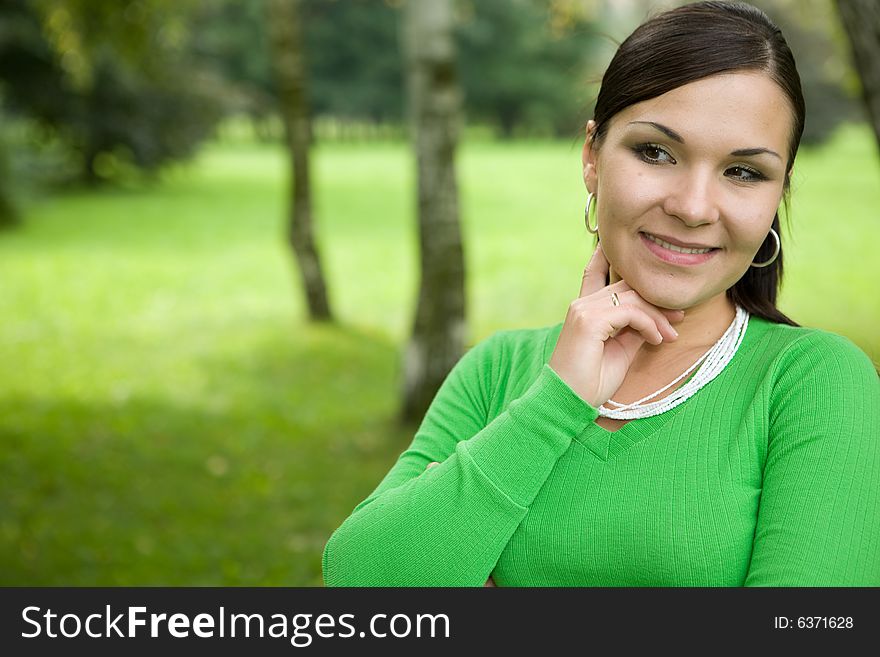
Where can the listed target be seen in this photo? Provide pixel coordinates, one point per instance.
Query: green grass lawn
(167, 416)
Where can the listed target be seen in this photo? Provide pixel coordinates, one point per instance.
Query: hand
(599, 340)
(489, 581)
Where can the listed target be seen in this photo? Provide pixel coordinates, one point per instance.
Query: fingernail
(674, 332)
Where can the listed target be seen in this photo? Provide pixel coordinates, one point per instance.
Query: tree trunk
(861, 19)
(285, 30)
(8, 212)
(434, 101)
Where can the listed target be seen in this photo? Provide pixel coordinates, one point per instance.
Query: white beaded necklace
(715, 360)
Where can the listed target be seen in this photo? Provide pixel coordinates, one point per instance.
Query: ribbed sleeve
(448, 526)
(819, 516)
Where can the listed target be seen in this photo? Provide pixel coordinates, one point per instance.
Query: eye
(744, 174)
(653, 154)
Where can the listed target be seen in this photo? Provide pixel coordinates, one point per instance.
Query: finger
(662, 317)
(628, 315)
(631, 341)
(431, 465)
(594, 273)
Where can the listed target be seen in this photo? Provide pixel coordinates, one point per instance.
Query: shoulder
(822, 374)
(509, 359)
(818, 352)
(518, 344)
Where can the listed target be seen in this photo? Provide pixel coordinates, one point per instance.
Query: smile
(676, 255)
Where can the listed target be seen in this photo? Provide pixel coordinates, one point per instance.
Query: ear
(588, 158)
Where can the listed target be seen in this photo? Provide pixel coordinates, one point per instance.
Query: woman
(676, 429)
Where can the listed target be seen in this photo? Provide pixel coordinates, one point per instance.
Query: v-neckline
(606, 444)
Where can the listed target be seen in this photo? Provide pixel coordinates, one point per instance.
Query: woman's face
(701, 165)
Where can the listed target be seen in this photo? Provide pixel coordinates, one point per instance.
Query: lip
(674, 257)
(684, 245)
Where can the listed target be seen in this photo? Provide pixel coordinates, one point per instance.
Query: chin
(667, 299)
(668, 303)
(664, 290)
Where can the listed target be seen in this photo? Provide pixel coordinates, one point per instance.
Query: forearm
(445, 528)
(449, 526)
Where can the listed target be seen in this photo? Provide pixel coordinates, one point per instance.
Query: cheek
(750, 231)
(626, 192)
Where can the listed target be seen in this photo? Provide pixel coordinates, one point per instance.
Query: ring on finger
(614, 299)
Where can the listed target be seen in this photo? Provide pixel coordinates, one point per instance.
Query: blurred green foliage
(168, 417)
(813, 32)
(525, 68)
(112, 81)
(521, 63)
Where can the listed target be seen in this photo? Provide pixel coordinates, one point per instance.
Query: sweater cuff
(518, 449)
(551, 401)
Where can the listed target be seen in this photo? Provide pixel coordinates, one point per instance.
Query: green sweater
(768, 476)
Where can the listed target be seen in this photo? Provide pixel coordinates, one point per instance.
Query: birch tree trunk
(861, 19)
(288, 54)
(434, 100)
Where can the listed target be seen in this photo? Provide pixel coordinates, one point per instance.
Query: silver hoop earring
(590, 198)
(775, 254)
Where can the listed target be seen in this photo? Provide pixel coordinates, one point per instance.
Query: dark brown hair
(692, 42)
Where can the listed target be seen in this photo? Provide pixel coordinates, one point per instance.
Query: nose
(693, 198)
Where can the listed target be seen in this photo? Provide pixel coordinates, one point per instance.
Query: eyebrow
(744, 152)
(672, 134)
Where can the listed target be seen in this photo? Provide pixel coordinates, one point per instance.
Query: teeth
(672, 247)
